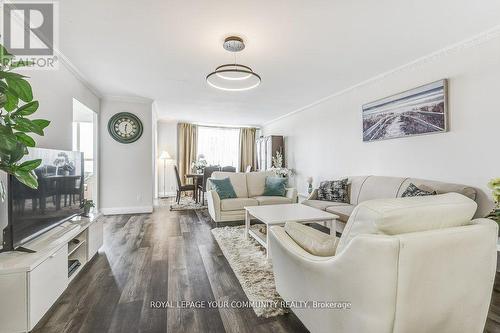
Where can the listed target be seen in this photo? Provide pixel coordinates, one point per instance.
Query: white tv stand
(30, 283)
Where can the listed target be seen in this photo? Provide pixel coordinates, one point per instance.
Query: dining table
(197, 179)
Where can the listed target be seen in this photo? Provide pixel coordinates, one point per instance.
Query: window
(219, 145)
(83, 140)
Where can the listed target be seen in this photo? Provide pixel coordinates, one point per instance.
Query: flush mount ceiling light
(233, 77)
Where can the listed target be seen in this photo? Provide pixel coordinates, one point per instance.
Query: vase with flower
(199, 165)
(278, 167)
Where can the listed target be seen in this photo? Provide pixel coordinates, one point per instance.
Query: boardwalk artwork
(414, 112)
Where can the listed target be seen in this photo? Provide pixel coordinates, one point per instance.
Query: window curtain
(247, 148)
(187, 146)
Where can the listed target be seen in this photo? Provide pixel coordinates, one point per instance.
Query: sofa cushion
(237, 203)
(319, 204)
(275, 186)
(343, 211)
(311, 240)
(335, 190)
(224, 188)
(354, 187)
(272, 200)
(238, 180)
(379, 187)
(411, 214)
(256, 182)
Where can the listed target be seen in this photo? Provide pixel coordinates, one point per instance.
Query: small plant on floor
(86, 205)
(16, 104)
(494, 185)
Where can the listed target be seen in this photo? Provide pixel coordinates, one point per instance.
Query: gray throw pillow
(335, 191)
(413, 191)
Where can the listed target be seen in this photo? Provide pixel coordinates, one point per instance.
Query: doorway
(85, 139)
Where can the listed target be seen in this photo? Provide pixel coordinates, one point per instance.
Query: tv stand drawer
(46, 282)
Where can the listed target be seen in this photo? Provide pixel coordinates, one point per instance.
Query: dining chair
(207, 173)
(228, 169)
(181, 188)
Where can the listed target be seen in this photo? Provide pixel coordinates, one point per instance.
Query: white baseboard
(166, 194)
(126, 210)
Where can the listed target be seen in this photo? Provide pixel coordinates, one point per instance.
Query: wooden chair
(228, 169)
(181, 188)
(207, 173)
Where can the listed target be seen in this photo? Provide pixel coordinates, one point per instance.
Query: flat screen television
(57, 199)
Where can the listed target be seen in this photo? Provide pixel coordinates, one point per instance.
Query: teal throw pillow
(275, 186)
(224, 188)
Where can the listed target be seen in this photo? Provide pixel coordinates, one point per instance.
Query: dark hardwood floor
(166, 256)
(493, 321)
(157, 257)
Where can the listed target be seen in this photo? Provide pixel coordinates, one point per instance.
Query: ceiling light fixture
(233, 77)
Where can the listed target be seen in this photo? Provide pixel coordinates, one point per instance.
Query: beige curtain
(187, 146)
(247, 148)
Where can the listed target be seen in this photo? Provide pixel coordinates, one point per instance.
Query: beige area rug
(186, 203)
(255, 274)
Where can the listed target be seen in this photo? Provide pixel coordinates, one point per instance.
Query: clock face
(125, 127)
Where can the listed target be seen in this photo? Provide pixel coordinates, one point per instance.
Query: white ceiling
(304, 50)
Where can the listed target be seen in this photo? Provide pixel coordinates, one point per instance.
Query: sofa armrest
(291, 193)
(313, 195)
(213, 201)
(209, 184)
(340, 278)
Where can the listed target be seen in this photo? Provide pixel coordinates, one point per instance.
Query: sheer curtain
(219, 145)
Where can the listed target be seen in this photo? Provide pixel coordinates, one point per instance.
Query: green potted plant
(16, 106)
(86, 205)
(494, 185)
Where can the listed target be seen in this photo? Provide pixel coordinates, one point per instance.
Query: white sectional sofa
(416, 264)
(249, 188)
(364, 188)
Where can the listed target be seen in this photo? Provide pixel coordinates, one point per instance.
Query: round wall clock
(125, 127)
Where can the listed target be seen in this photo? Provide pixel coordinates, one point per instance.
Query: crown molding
(128, 99)
(77, 73)
(465, 44)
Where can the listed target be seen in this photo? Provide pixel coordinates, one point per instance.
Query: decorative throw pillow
(413, 191)
(275, 186)
(224, 188)
(335, 191)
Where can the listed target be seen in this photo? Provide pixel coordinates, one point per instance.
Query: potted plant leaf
(87, 205)
(494, 185)
(16, 108)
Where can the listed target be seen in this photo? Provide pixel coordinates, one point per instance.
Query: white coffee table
(280, 214)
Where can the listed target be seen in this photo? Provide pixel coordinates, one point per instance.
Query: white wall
(167, 140)
(126, 179)
(55, 91)
(325, 140)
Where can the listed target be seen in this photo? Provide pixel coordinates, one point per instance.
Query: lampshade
(165, 155)
(234, 76)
